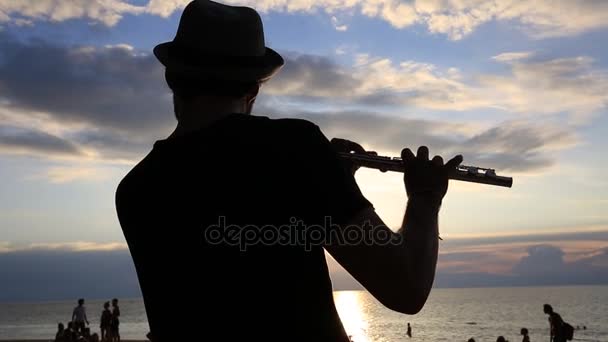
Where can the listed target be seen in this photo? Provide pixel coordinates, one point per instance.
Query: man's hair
(187, 87)
(547, 308)
(80, 301)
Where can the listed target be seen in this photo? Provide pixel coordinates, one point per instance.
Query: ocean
(449, 315)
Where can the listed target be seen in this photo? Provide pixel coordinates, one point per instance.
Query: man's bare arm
(400, 273)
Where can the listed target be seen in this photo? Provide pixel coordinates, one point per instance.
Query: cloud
(548, 86)
(456, 19)
(74, 246)
(538, 259)
(545, 264)
(375, 81)
(337, 25)
(92, 102)
(112, 86)
(68, 174)
(108, 12)
(512, 56)
(18, 140)
(110, 103)
(572, 258)
(57, 270)
(511, 146)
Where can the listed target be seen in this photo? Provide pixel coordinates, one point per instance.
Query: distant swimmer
(524, 333)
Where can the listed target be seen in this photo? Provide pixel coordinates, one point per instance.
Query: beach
(449, 315)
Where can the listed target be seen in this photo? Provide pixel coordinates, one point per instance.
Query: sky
(518, 86)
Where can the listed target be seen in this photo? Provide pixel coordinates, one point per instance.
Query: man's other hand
(427, 177)
(347, 146)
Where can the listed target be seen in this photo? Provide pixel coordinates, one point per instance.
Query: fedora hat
(220, 42)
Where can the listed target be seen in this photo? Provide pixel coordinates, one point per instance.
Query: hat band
(195, 57)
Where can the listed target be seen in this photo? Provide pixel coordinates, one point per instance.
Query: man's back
(79, 314)
(556, 322)
(248, 172)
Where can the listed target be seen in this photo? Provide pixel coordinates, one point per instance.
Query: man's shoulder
(132, 182)
(555, 317)
(288, 124)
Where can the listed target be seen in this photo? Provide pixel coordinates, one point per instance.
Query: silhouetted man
(556, 324)
(79, 317)
(227, 219)
(115, 322)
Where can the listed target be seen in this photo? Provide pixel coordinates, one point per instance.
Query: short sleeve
(332, 189)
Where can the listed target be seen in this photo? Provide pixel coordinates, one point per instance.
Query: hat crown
(220, 42)
(216, 29)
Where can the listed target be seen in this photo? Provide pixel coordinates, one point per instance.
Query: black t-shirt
(216, 222)
(106, 319)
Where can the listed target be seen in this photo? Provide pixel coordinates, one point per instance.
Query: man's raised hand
(427, 177)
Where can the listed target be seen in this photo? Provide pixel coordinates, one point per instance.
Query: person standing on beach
(234, 211)
(115, 322)
(105, 323)
(409, 330)
(79, 317)
(524, 333)
(555, 325)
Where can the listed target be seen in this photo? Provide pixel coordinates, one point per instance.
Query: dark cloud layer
(45, 275)
(113, 100)
(519, 260)
(111, 87)
(61, 274)
(545, 264)
(29, 141)
(313, 76)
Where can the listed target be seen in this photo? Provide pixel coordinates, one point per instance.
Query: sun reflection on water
(350, 308)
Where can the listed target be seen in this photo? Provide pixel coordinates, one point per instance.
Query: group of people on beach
(523, 332)
(77, 329)
(560, 331)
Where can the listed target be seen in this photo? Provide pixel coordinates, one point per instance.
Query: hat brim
(234, 68)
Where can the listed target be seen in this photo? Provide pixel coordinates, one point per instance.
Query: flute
(472, 174)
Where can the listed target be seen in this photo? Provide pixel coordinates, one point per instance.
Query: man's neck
(204, 114)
